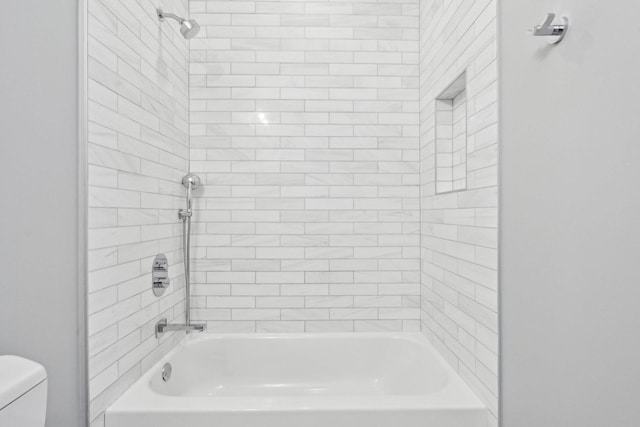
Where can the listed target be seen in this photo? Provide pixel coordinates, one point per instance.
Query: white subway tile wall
(312, 126)
(138, 152)
(459, 230)
(304, 129)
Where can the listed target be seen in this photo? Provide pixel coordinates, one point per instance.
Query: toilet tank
(23, 392)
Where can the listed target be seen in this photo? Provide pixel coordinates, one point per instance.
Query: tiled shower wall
(304, 129)
(138, 152)
(312, 127)
(459, 229)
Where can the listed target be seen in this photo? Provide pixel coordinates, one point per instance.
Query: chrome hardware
(555, 32)
(160, 274)
(166, 372)
(188, 27)
(183, 214)
(191, 180)
(163, 326)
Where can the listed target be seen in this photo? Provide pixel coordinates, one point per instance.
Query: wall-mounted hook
(555, 31)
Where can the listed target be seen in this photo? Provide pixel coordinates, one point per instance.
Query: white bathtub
(301, 380)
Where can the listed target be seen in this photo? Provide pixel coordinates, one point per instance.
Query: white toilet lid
(17, 376)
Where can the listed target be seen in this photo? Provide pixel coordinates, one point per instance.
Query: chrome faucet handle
(162, 266)
(161, 282)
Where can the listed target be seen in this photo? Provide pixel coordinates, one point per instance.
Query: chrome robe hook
(554, 31)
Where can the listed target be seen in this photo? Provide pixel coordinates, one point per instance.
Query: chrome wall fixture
(190, 182)
(188, 27)
(160, 275)
(163, 326)
(555, 31)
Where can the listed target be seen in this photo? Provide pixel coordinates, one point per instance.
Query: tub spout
(163, 326)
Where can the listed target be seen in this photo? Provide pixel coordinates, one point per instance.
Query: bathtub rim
(140, 397)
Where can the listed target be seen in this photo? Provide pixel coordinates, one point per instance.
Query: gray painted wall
(39, 251)
(570, 216)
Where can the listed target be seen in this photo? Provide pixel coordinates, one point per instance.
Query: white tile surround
(138, 153)
(311, 124)
(304, 128)
(459, 229)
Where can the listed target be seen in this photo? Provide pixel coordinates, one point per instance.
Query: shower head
(191, 181)
(188, 27)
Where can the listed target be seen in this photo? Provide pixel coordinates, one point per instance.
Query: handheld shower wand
(191, 182)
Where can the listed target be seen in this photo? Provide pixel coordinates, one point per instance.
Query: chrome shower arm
(189, 28)
(162, 15)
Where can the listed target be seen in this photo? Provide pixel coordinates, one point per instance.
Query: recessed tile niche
(451, 137)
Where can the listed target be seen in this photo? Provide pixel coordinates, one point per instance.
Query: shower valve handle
(161, 283)
(160, 274)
